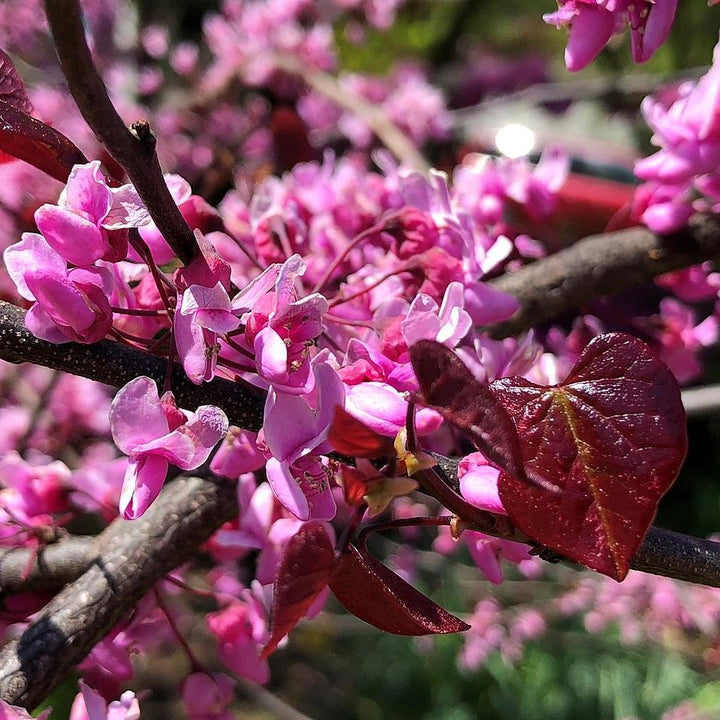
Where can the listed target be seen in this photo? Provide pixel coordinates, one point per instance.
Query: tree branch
(114, 364)
(134, 556)
(134, 151)
(52, 567)
(602, 265)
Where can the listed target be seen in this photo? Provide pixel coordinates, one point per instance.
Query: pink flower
(478, 483)
(12, 712)
(154, 434)
(69, 304)
(90, 705)
(206, 697)
(449, 324)
(282, 327)
(296, 435)
(241, 630)
(77, 227)
(204, 313)
(593, 22)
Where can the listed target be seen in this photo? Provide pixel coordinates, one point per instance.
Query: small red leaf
(303, 572)
(12, 88)
(375, 594)
(612, 437)
(450, 388)
(36, 143)
(355, 485)
(354, 438)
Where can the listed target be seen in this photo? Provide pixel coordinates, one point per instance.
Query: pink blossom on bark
(69, 304)
(153, 437)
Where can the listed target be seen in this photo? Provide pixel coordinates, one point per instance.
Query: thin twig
(133, 150)
(377, 120)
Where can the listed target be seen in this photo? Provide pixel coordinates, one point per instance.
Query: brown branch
(603, 265)
(23, 569)
(377, 120)
(114, 364)
(133, 150)
(134, 556)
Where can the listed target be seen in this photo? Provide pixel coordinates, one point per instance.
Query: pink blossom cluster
(681, 177)
(592, 23)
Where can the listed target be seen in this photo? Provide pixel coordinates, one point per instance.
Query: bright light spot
(515, 140)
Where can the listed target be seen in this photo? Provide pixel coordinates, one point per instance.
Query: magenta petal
(205, 429)
(61, 299)
(322, 505)
(590, 32)
(32, 253)
(86, 191)
(76, 238)
(95, 705)
(286, 489)
(486, 557)
(379, 406)
(42, 326)
(479, 488)
(136, 415)
(143, 481)
(254, 290)
(486, 305)
(271, 353)
(127, 210)
(291, 428)
(191, 346)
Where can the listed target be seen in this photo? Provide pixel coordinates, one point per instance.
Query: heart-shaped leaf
(302, 574)
(612, 437)
(12, 88)
(354, 438)
(36, 143)
(450, 388)
(375, 594)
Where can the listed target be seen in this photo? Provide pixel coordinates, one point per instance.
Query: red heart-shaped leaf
(354, 438)
(612, 438)
(450, 388)
(375, 594)
(303, 572)
(36, 143)
(12, 88)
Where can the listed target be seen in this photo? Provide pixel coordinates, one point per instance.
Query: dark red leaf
(354, 438)
(12, 88)
(375, 594)
(451, 389)
(303, 572)
(36, 143)
(612, 438)
(355, 485)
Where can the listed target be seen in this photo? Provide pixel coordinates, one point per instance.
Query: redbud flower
(155, 434)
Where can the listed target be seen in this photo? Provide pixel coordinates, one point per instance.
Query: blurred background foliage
(337, 667)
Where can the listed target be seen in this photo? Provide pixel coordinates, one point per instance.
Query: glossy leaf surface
(375, 594)
(12, 88)
(354, 438)
(302, 574)
(612, 437)
(36, 143)
(451, 389)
